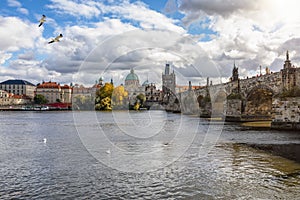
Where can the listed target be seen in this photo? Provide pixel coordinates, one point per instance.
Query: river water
(141, 155)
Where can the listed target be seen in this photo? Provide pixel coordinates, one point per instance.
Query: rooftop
(16, 82)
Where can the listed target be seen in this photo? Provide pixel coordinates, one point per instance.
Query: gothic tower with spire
(235, 73)
(169, 81)
(288, 74)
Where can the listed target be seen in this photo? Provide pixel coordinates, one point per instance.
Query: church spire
(287, 55)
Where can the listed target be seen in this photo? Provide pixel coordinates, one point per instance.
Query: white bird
(108, 151)
(45, 140)
(56, 39)
(42, 20)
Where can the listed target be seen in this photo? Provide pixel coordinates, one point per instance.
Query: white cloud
(29, 55)
(4, 57)
(18, 5)
(147, 51)
(14, 3)
(17, 34)
(86, 9)
(148, 19)
(252, 33)
(23, 11)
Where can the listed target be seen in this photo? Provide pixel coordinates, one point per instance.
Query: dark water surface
(142, 155)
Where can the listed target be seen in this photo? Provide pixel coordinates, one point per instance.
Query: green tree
(141, 98)
(40, 99)
(139, 102)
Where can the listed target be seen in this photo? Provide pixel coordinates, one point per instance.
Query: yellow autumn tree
(103, 97)
(120, 98)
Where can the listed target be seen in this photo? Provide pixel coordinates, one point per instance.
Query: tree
(40, 99)
(140, 100)
(103, 97)
(105, 91)
(120, 98)
(81, 102)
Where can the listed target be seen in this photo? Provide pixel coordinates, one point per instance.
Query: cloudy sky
(107, 38)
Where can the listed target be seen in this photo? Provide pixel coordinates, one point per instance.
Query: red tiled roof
(49, 85)
(16, 96)
(66, 87)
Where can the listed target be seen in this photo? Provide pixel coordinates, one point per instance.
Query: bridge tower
(288, 74)
(235, 73)
(169, 81)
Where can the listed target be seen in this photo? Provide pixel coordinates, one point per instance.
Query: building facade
(10, 99)
(152, 94)
(54, 92)
(19, 87)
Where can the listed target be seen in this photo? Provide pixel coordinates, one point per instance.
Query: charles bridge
(251, 99)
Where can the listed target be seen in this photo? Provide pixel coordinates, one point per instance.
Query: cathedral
(133, 87)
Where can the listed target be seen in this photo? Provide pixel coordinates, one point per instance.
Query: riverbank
(290, 151)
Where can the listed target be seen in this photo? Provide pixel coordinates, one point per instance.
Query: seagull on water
(108, 151)
(45, 140)
(42, 20)
(56, 39)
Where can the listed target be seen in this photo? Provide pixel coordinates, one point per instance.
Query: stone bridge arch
(259, 87)
(258, 101)
(212, 103)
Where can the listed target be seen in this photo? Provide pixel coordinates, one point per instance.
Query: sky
(107, 38)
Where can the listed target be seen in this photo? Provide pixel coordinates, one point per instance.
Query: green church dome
(146, 83)
(132, 76)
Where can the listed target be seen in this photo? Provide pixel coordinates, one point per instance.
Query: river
(142, 155)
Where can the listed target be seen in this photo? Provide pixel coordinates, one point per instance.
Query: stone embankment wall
(286, 113)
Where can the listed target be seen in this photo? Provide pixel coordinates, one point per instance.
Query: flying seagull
(56, 39)
(42, 20)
